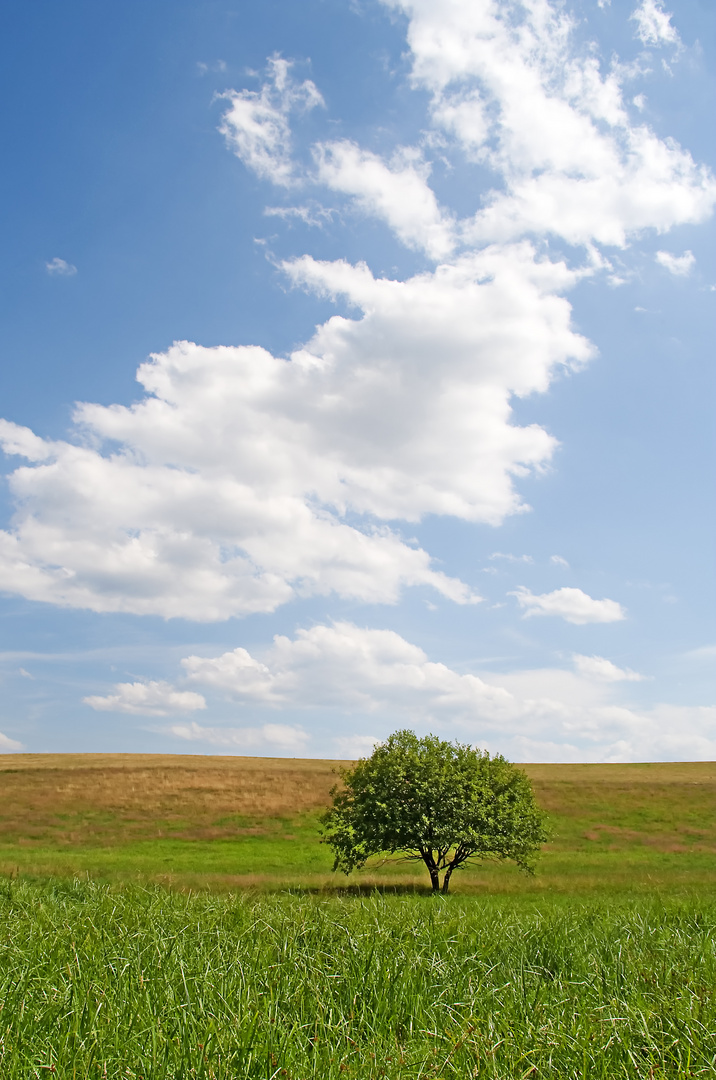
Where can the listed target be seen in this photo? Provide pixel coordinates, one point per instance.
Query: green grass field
(130, 982)
(257, 962)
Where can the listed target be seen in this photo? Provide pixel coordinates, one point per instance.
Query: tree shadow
(362, 890)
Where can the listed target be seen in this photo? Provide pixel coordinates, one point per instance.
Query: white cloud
(217, 65)
(543, 714)
(508, 84)
(397, 193)
(328, 666)
(512, 90)
(680, 265)
(201, 516)
(8, 745)
(346, 667)
(512, 558)
(571, 604)
(59, 268)
(268, 737)
(654, 24)
(351, 747)
(558, 560)
(598, 667)
(317, 216)
(147, 699)
(256, 123)
(224, 490)
(235, 671)
(615, 733)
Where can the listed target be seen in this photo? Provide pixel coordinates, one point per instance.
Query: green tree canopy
(442, 802)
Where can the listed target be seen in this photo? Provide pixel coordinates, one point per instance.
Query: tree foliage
(445, 803)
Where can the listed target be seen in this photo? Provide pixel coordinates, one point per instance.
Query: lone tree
(442, 802)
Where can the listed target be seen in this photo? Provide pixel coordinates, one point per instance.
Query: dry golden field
(113, 798)
(222, 821)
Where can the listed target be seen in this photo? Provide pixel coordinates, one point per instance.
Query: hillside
(235, 821)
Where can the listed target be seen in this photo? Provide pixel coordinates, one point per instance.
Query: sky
(357, 374)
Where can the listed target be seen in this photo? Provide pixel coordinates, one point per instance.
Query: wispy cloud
(317, 216)
(267, 737)
(654, 24)
(256, 123)
(571, 604)
(512, 558)
(218, 66)
(598, 667)
(147, 699)
(680, 265)
(705, 652)
(60, 268)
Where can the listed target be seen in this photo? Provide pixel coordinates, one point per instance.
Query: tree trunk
(446, 880)
(433, 871)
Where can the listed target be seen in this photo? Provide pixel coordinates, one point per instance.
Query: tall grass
(98, 982)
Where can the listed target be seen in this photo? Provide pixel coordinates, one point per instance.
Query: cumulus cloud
(209, 509)
(346, 667)
(256, 123)
(340, 666)
(653, 24)
(680, 265)
(59, 268)
(147, 699)
(267, 737)
(541, 715)
(598, 667)
(343, 666)
(397, 192)
(571, 604)
(225, 489)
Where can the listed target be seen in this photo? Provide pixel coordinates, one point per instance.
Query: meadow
(172, 917)
(146, 983)
(233, 822)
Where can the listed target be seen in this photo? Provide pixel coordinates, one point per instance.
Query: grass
(231, 822)
(101, 981)
(602, 966)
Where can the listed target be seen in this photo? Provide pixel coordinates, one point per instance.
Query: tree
(445, 803)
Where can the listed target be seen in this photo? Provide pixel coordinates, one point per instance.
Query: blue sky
(357, 374)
